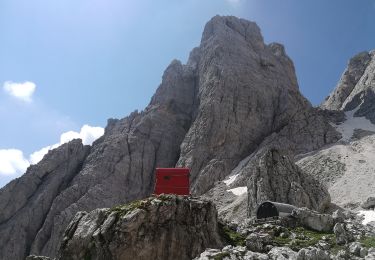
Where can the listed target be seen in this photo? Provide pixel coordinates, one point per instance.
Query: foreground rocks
(287, 239)
(164, 227)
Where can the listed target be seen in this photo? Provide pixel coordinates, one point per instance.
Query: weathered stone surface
(247, 90)
(275, 177)
(369, 203)
(34, 257)
(234, 93)
(121, 166)
(353, 73)
(165, 227)
(233, 253)
(313, 220)
(312, 253)
(257, 242)
(26, 201)
(342, 235)
(282, 253)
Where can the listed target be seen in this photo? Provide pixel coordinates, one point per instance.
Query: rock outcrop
(235, 95)
(247, 91)
(164, 227)
(349, 79)
(356, 89)
(275, 177)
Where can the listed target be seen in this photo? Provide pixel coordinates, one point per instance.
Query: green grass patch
(220, 256)
(368, 242)
(124, 209)
(231, 237)
(305, 238)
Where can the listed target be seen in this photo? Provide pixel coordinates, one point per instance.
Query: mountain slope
(347, 168)
(234, 96)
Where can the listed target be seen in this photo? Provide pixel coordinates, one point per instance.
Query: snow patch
(347, 127)
(369, 216)
(239, 190)
(231, 179)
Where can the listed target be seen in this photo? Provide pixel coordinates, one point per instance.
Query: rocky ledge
(163, 227)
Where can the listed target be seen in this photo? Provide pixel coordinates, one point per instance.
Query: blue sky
(95, 59)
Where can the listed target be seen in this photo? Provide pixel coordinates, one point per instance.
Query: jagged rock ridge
(235, 93)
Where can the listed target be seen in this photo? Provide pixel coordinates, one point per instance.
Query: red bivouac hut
(172, 181)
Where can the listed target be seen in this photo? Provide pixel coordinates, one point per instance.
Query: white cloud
(88, 134)
(13, 162)
(23, 91)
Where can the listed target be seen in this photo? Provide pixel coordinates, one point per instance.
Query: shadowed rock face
(234, 93)
(356, 88)
(353, 73)
(275, 177)
(165, 227)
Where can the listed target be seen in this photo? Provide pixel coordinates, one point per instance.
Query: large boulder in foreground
(164, 227)
(275, 177)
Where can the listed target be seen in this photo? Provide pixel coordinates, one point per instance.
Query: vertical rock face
(121, 165)
(166, 227)
(275, 177)
(247, 90)
(234, 94)
(26, 201)
(349, 79)
(356, 89)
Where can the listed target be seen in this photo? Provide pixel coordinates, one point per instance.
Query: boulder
(312, 253)
(342, 235)
(257, 242)
(313, 220)
(282, 253)
(369, 203)
(164, 227)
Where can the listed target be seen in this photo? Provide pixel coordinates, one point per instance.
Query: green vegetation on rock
(305, 238)
(368, 242)
(230, 236)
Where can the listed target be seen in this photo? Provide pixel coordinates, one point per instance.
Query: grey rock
(355, 70)
(34, 257)
(313, 220)
(257, 242)
(275, 177)
(371, 254)
(342, 235)
(232, 253)
(26, 201)
(338, 216)
(235, 94)
(231, 208)
(357, 249)
(356, 87)
(282, 253)
(312, 253)
(166, 227)
(369, 203)
(252, 86)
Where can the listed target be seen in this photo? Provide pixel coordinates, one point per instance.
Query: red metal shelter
(172, 181)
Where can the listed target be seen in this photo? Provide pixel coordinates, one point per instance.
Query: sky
(67, 66)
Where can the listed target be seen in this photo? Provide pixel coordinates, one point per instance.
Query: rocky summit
(234, 115)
